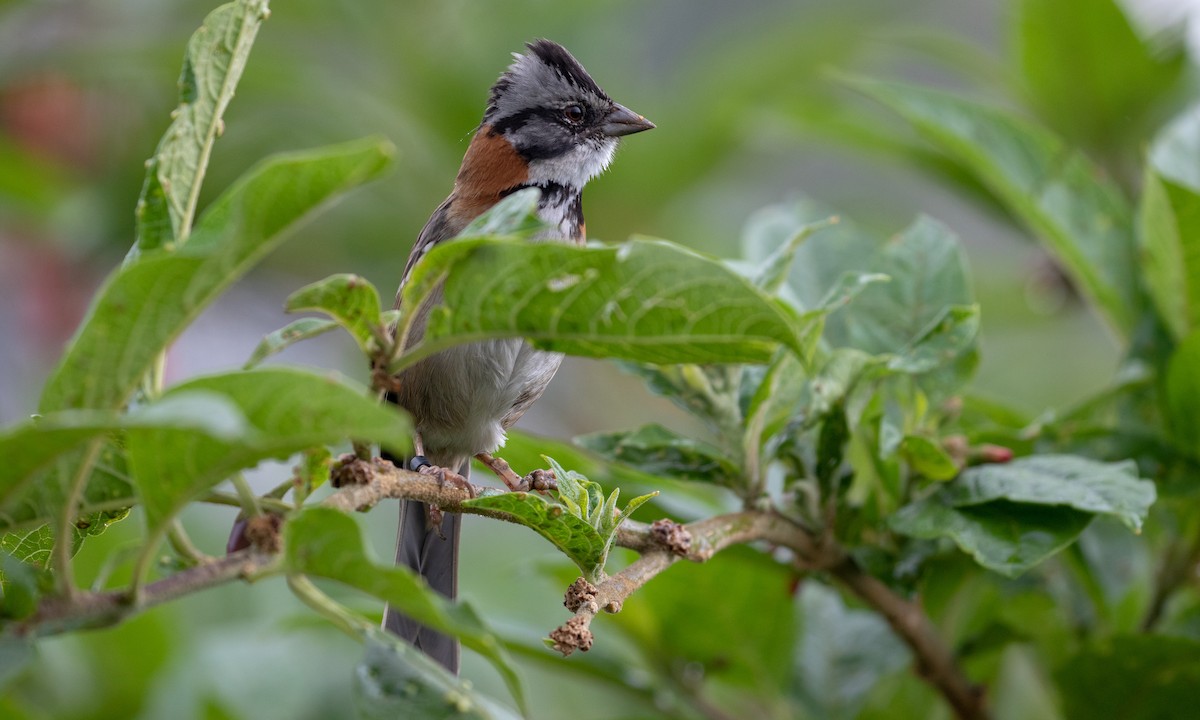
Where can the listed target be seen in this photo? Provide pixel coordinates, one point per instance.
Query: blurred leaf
(32, 445)
(20, 591)
(1068, 480)
(1176, 148)
(115, 346)
(928, 458)
(644, 300)
(323, 542)
(395, 680)
(216, 56)
(1183, 394)
(821, 261)
(1169, 230)
(241, 418)
(1081, 216)
(1005, 537)
(1132, 677)
(774, 270)
(731, 615)
(514, 215)
(16, 652)
(776, 399)
(841, 653)
(350, 300)
(289, 335)
(951, 335)
(1087, 71)
(655, 449)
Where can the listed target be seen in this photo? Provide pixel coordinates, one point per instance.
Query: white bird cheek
(576, 167)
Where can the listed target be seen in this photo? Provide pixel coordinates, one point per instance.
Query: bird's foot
(541, 481)
(419, 464)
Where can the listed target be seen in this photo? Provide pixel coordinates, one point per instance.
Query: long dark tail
(432, 552)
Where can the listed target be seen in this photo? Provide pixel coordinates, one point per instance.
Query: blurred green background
(749, 113)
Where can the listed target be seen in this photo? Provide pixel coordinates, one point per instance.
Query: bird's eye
(573, 113)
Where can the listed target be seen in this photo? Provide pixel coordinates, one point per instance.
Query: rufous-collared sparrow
(547, 125)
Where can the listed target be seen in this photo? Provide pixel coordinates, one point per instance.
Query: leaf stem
(246, 497)
(312, 596)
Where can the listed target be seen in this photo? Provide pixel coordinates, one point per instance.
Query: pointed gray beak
(623, 121)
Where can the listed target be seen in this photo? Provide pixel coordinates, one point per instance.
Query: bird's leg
(540, 480)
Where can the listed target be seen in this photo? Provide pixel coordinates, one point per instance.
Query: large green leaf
(323, 542)
(1087, 71)
(578, 540)
(643, 300)
(1139, 677)
(1169, 235)
(1176, 149)
(288, 335)
(1066, 200)
(655, 449)
(927, 274)
(350, 300)
(241, 418)
(32, 445)
(1005, 537)
(146, 304)
(216, 56)
(395, 680)
(1068, 480)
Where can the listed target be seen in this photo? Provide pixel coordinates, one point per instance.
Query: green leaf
(841, 654)
(1004, 537)
(16, 652)
(395, 680)
(32, 445)
(577, 539)
(238, 419)
(216, 56)
(351, 301)
(950, 336)
(928, 276)
(731, 618)
(1175, 150)
(928, 458)
(1087, 71)
(289, 335)
(144, 305)
(655, 449)
(1133, 677)
(1183, 394)
(1169, 234)
(1067, 480)
(644, 300)
(773, 271)
(323, 542)
(105, 497)
(514, 215)
(1080, 216)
